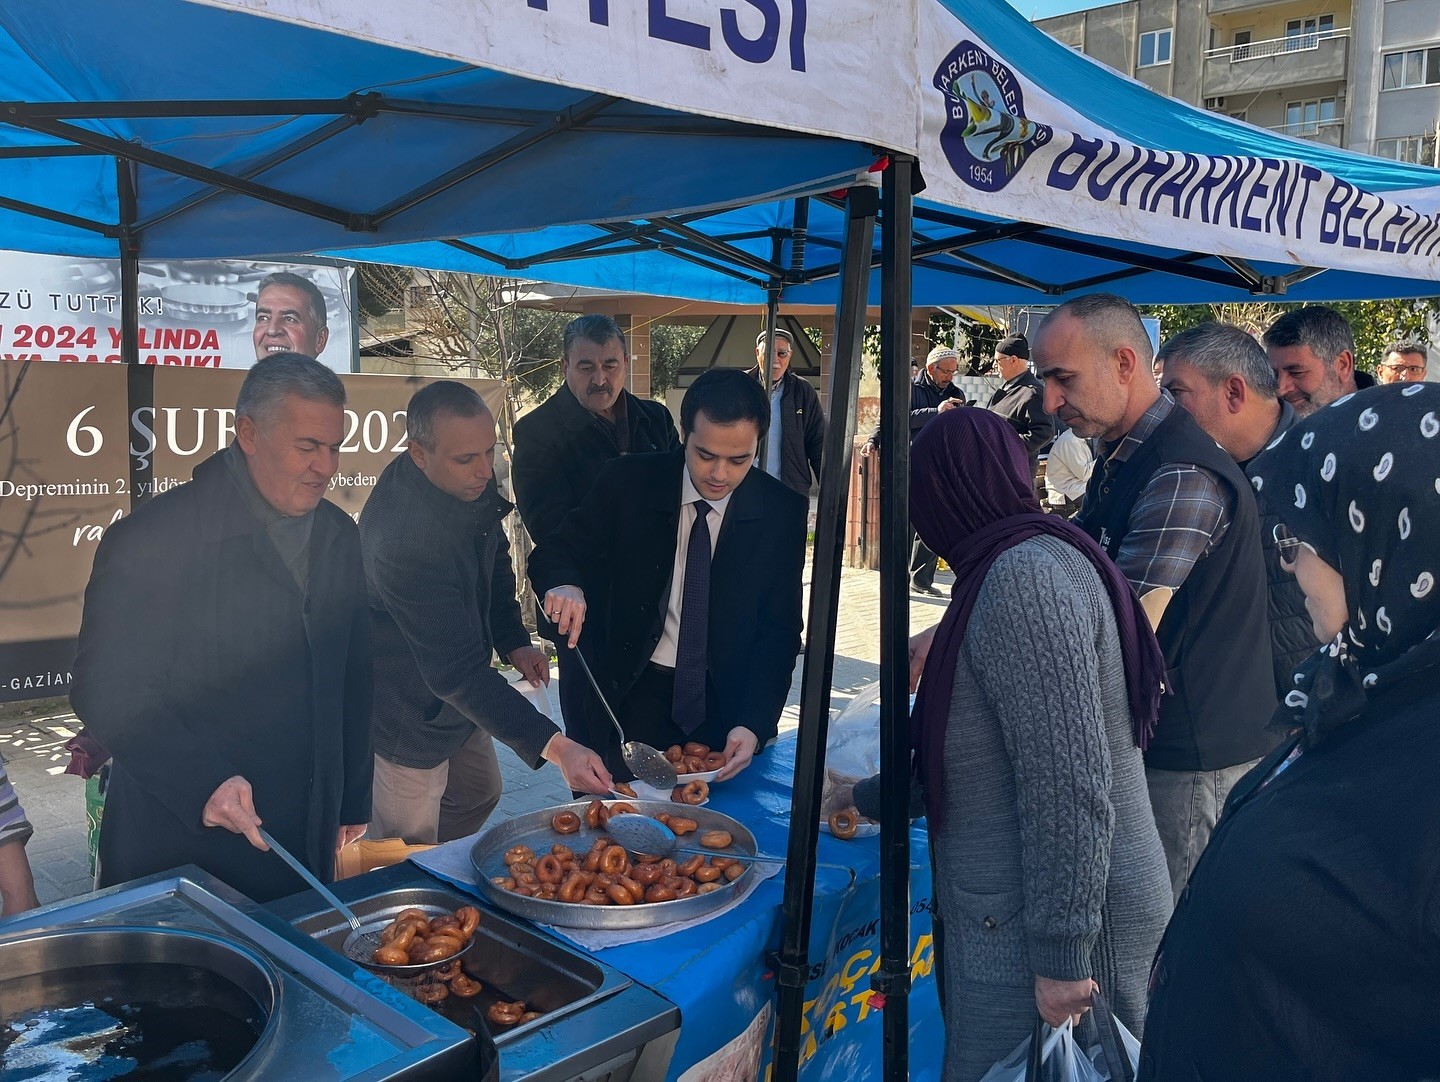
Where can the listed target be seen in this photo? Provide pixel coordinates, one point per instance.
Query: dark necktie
(688, 705)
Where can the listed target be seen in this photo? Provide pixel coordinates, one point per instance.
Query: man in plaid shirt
(1178, 518)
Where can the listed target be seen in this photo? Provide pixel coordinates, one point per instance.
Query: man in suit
(688, 567)
(795, 416)
(246, 699)
(562, 445)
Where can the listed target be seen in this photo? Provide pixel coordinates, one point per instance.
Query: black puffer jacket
(1292, 635)
(802, 431)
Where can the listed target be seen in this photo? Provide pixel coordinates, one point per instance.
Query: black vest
(1215, 635)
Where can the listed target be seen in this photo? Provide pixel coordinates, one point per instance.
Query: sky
(1043, 9)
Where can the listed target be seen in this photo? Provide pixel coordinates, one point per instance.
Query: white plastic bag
(1060, 1060)
(852, 749)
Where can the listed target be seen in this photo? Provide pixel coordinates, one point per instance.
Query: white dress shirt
(669, 642)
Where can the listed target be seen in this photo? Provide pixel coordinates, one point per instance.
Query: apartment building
(1359, 74)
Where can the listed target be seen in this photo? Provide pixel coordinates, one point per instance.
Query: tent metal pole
(819, 669)
(772, 313)
(139, 379)
(892, 982)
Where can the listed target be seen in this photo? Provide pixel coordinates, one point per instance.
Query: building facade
(1359, 74)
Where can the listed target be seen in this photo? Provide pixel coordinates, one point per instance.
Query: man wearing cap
(1021, 398)
(797, 425)
(932, 392)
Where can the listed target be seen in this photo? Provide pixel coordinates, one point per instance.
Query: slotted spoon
(641, 834)
(646, 763)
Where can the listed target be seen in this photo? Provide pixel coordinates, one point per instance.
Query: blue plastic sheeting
(1054, 273)
(719, 973)
(629, 159)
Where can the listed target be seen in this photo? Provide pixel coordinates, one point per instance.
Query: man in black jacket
(225, 653)
(442, 603)
(562, 445)
(688, 567)
(1179, 519)
(797, 425)
(1021, 398)
(1221, 376)
(932, 392)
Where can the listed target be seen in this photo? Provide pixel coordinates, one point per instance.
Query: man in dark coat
(225, 654)
(932, 392)
(1222, 377)
(562, 445)
(1021, 398)
(442, 604)
(688, 565)
(797, 425)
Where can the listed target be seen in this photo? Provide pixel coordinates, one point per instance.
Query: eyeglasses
(1409, 371)
(1287, 544)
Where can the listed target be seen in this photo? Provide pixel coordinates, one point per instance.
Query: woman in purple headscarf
(1041, 684)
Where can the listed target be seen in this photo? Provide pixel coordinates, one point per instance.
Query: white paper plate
(862, 829)
(649, 792)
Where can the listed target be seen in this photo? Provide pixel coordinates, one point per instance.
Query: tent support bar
(129, 262)
(49, 152)
(892, 981)
(21, 112)
(1253, 278)
(728, 252)
(1130, 272)
(618, 123)
(270, 161)
(996, 271)
(567, 119)
(19, 206)
(675, 249)
(799, 235)
(168, 163)
(1300, 274)
(818, 673)
(762, 367)
(611, 233)
(1008, 231)
(475, 250)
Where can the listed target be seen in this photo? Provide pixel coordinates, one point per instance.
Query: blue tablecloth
(718, 975)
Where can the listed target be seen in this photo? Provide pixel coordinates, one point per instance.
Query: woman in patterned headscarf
(1308, 942)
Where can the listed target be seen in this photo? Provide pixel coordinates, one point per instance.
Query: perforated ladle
(364, 939)
(646, 763)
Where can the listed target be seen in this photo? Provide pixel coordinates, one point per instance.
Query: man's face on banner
(285, 322)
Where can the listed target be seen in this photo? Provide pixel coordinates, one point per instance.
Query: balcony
(1302, 60)
(1329, 132)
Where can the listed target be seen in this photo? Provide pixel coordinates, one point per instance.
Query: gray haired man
(1220, 374)
(1312, 350)
(247, 697)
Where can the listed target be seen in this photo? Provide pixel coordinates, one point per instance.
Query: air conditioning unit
(1215, 103)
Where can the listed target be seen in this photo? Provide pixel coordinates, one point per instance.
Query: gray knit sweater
(1048, 861)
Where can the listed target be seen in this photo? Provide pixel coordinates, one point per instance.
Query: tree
(670, 344)
(1375, 324)
(470, 324)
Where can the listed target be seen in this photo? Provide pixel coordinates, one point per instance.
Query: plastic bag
(1060, 1060)
(852, 750)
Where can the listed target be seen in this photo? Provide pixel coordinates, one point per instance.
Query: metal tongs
(646, 763)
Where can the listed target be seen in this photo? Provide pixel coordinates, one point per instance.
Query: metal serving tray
(535, 830)
(511, 962)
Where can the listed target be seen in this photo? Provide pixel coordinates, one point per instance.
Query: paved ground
(32, 736)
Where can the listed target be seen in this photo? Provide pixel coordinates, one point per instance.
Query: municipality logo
(986, 137)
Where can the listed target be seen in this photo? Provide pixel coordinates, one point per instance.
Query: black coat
(561, 447)
(925, 399)
(1021, 401)
(200, 659)
(442, 603)
(802, 432)
(619, 547)
(1307, 943)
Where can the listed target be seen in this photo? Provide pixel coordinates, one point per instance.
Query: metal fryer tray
(511, 960)
(534, 830)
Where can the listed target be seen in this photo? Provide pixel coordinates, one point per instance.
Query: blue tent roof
(253, 137)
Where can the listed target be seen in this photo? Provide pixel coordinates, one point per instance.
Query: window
(1306, 33)
(1240, 47)
(1306, 117)
(1155, 48)
(1415, 149)
(1413, 67)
